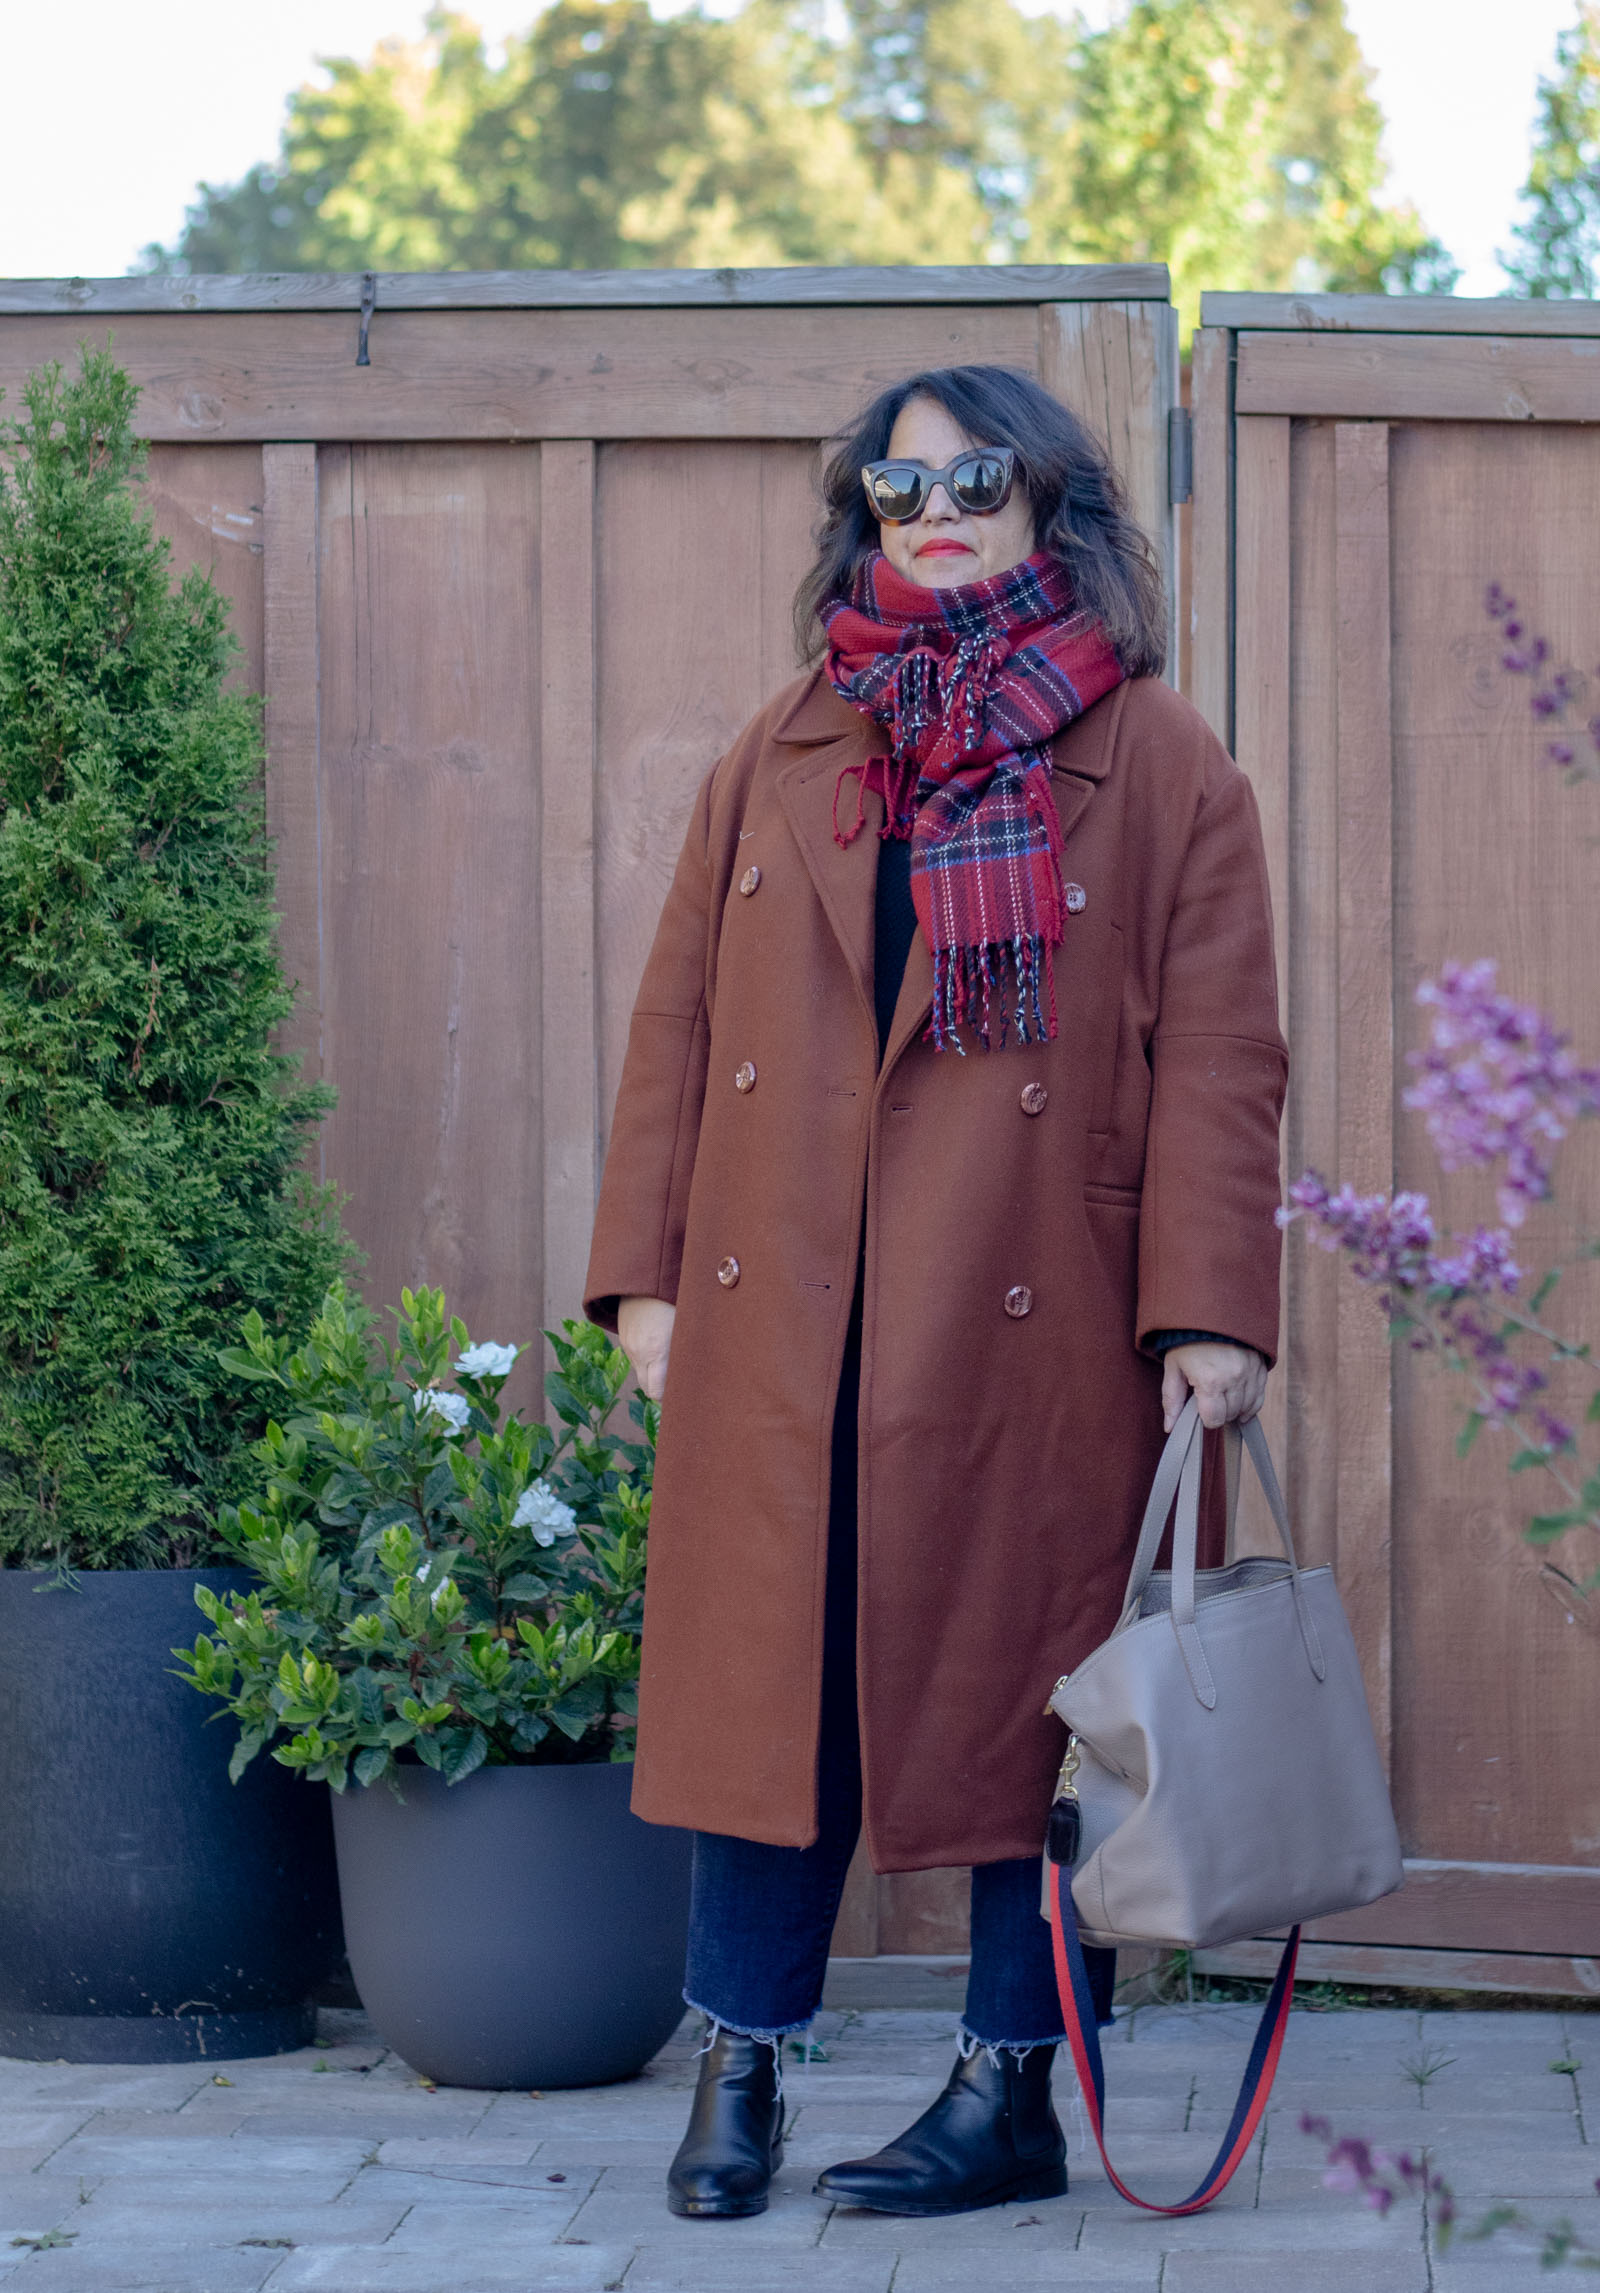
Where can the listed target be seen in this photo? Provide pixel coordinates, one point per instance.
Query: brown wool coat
(1004, 1454)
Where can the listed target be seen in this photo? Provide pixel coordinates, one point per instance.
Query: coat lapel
(845, 877)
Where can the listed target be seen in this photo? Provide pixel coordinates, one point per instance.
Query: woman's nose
(938, 507)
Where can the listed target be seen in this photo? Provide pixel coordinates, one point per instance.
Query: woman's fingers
(644, 1328)
(1228, 1382)
(1174, 1391)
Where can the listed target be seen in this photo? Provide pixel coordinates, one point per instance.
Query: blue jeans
(761, 1917)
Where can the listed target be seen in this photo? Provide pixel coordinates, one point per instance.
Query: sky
(111, 112)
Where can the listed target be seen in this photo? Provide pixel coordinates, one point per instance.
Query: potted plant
(448, 1617)
(151, 1144)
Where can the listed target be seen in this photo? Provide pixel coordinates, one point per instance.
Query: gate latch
(369, 303)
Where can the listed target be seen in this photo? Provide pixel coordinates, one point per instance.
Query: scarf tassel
(969, 983)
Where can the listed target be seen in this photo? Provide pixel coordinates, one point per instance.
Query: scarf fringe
(970, 988)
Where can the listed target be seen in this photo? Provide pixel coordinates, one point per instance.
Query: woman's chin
(946, 572)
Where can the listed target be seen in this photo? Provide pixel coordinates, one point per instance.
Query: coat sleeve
(1208, 1244)
(637, 1249)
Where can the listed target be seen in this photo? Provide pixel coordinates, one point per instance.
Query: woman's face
(947, 545)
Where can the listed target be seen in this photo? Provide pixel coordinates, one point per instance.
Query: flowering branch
(1557, 694)
(1498, 1088)
(1380, 2176)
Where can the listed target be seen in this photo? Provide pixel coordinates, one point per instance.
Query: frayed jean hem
(742, 2030)
(968, 2043)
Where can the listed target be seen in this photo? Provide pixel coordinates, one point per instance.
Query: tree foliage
(150, 1138)
(1235, 139)
(1557, 242)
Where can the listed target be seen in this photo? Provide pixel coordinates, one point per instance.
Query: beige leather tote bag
(1221, 1759)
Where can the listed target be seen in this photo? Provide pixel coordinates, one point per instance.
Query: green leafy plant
(438, 1583)
(151, 1139)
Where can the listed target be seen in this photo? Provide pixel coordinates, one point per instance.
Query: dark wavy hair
(1080, 512)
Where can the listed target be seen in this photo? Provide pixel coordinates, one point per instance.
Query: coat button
(750, 879)
(1019, 1301)
(744, 1078)
(1077, 899)
(728, 1273)
(1035, 1098)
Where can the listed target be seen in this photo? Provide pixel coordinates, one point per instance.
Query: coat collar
(827, 734)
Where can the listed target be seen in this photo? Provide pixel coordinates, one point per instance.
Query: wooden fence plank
(598, 290)
(1313, 1279)
(1116, 364)
(1366, 1032)
(526, 374)
(1401, 314)
(1493, 857)
(294, 760)
(430, 718)
(1210, 601)
(1393, 1966)
(567, 706)
(207, 502)
(1261, 733)
(1481, 1907)
(1454, 378)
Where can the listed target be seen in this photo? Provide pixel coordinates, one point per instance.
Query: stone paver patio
(337, 2167)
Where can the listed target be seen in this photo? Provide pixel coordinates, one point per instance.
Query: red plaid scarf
(973, 683)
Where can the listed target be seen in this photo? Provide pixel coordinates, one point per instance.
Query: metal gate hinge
(1180, 455)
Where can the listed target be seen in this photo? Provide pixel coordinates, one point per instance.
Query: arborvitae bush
(151, 1140)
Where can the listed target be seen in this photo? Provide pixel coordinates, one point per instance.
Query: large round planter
(520, 1928)
(150, 1910)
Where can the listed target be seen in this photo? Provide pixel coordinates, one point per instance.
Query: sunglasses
(978, 481)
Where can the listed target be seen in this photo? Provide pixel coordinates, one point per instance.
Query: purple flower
(1498, 1084)
(1480, 1261)
(1389, 1239)
(1379, 2176)
(1554, 693)
(1448, 1298)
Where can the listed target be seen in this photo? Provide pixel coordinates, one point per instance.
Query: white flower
(487, 1360)
(540, 1509)
(454, 1408)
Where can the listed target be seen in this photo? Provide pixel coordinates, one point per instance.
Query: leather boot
(734, 2144)
(991, 2136)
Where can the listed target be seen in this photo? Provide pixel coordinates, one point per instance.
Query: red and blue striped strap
(1083, 2036)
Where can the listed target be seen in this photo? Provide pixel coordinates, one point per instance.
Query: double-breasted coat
(1028, 1217)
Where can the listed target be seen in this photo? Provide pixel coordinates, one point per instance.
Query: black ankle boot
(734, 2144)
(992, 2135)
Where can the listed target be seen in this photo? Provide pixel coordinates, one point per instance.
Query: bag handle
(1178, 1475)
(1083, 2036)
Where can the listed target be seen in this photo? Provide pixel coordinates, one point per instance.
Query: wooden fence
(1364, 468)
(512, 559)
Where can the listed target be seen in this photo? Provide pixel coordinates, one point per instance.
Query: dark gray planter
(150, 1910)
(520, 1928)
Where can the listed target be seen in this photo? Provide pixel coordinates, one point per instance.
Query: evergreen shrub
(151, 1139)
(438, 1583)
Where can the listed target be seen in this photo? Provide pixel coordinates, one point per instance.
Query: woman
(943, 1168)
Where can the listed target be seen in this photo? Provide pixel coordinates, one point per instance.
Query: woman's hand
(644, 1330)
(1227, 1381)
